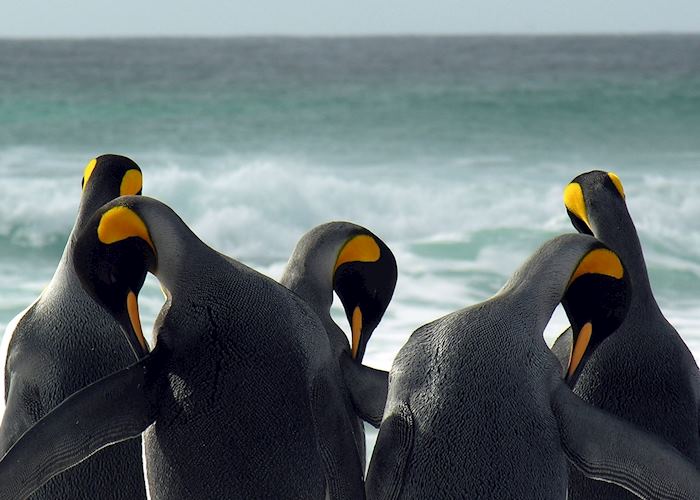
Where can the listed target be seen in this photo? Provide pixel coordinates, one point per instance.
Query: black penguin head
(111, 257)
(596, 302)
(590, 196)
(107, 177)
(364, 277)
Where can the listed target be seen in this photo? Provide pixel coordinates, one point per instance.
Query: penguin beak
(360, 335)
(356, 325)
(136, 337)
(364, 318)
(578, 352)
(576, 208)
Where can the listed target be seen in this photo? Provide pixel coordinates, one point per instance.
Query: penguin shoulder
(246, 311)
(420, 360)
(21, 342)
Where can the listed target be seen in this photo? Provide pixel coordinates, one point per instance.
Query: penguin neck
(314, 289)
(538, 281)
(308, 275)
(542, 300)
(318, 294)
(90, 201)
(65, 269)
(181, 256)
(621, 236)
(541, 282)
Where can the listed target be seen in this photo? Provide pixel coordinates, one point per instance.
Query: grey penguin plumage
(477, 407)
(235, 387)
(644, 373)
(65, 341)
(358, 265)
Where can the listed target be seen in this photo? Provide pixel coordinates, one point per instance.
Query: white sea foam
(458, 230)
(259, 206)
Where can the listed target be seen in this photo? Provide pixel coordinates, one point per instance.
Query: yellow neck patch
(618, 183)
(574, 202)
(361, 248)
(88, 171)
(132, 183)
(599, 261)
(582, 341)
(132, 306)
(120, 223)
(356, 330)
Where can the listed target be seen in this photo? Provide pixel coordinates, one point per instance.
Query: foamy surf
(457, 234)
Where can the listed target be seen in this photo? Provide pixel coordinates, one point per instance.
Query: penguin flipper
(609, 449)
(16, 418)
(368, 390)
(562, 348)
(113, 409)
(391, 453)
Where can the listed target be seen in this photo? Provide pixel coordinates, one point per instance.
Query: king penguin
(477, 407)
(65, 341)
(644, 373)
(236, 387)
(354, 262)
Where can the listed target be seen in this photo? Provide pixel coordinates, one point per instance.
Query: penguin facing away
(477, 407)
(354, 262)
(644, 373)
(65, 341)
(235, 386)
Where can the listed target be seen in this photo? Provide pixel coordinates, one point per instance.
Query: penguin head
(596, 301)
(364, 277)
(357, 265)
(112, 256)
(594, 198)
(107, 177)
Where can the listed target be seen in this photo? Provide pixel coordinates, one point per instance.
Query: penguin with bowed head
(644, 373)
(357, 265)
(65, 341)
(236, 386)
(477, 407)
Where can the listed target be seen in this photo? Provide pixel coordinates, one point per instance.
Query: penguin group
(252, 391)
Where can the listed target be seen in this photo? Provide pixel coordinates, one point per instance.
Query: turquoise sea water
(454, 150)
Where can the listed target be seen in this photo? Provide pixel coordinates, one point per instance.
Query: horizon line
(485, 34)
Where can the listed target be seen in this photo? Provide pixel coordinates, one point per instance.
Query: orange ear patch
(362, 248)
(132, 183)
(618, 183)
(120, 223)
(574, 201)
(599, 261)
(88, 171)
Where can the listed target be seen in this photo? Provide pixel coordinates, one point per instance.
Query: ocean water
(454, 150)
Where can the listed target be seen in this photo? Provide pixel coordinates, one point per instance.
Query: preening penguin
(232, 385)
(65, 341)
(362, 270)
(477, 407)
(644, 373)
